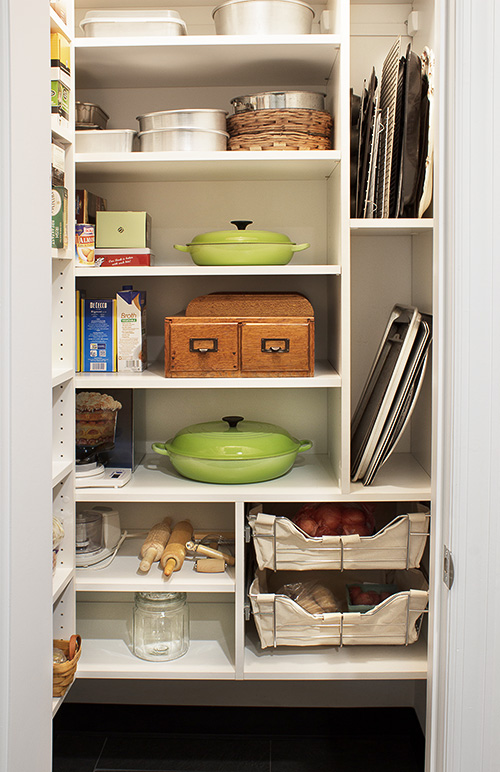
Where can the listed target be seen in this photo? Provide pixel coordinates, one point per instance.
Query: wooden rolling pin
(175, 551)
(209, 552)
(155, 543)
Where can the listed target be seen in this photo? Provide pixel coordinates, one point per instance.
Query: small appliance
(98, 535)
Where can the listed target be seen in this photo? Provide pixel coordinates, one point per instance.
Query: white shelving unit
(353, 273)
(63, 369)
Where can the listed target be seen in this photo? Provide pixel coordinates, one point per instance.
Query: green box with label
(123, 229)
(59, 217)
(59, 94)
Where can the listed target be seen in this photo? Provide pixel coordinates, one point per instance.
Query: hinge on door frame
(448, 568)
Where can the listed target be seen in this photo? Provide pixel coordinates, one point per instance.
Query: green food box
(59, 94)
(59, 217)
(123, 229)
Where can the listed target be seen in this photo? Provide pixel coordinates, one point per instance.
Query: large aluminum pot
(232, 451)
(183, 139)
(263, 17)
(241, 247)
(185, 119)
(275, 100)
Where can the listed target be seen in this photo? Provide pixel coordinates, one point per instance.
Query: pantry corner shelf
(154, 378)
(190, 165)
(62, 577)
(123, 575)
(188, 61)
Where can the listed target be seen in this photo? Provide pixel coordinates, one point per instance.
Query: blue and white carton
(99, 335)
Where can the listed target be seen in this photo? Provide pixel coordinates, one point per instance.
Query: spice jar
(161, 625)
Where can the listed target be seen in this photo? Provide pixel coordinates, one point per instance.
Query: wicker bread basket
(280, 129)
(64, 672)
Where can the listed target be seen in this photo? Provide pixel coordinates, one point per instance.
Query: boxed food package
(117, 257)
(59, 217)
(123, 229)
(58, 164)
(59, 52)
(131, 330)
(85, 244)
(59, 94)
(86, 206)
(108, 416)
(98, 335)
(80, 294)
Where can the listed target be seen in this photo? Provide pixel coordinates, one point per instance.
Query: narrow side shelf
(194, 271)
(60, 469)
(60, 581)
(391, 227)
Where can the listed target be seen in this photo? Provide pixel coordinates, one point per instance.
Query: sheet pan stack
(391, 138)
(391, 390)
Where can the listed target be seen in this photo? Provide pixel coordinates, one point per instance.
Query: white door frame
(467, 661)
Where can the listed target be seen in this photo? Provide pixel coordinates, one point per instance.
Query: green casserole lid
(233, 438)
(241, 236)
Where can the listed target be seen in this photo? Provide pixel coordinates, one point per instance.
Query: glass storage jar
(161, 625)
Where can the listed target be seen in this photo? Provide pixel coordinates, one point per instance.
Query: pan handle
(158, 447)
(305, 445)
(299, 247)
(181, 247)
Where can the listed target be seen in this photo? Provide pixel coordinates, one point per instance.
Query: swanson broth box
(131, 330)
(98, 335)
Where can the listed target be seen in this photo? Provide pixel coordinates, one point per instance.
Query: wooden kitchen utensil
(209, 552)
(175, 551)
(155, 543)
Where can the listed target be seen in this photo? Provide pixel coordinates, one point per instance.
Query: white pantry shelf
(60, 470)
(193, 271)
(335, 663)
(154, 378)
(155, 480)
(123, 575)
(60, 581)
(391, 227)
(106, 631)
(201, 60)
(61, 375)
(191, 165)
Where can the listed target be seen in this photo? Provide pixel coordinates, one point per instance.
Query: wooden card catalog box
(242, 334)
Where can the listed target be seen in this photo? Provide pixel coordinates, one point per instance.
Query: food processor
(98, 535)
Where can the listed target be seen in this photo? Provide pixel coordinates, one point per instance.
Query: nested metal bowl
(275, 100)
(180, 138)
(192, 118)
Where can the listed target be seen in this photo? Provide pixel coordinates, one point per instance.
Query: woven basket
(280, 129)
(64, 672)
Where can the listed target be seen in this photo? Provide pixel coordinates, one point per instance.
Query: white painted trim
(467, 698)
(4, 388)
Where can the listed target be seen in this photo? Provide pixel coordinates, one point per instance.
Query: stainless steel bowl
(180, 138)
(87, 113)
(214, 120)
(263, 17)
(272, 100)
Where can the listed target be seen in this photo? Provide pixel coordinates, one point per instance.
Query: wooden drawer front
(277, 348)
(204, 349)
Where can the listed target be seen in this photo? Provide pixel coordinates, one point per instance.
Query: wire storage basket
(64, 672)
(281, 621)
(280, 129)
(282, 546)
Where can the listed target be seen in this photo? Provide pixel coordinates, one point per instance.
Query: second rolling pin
(175, 551)
(201, 549)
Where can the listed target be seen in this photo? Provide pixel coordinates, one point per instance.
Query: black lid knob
(241, 224)
(233, 420)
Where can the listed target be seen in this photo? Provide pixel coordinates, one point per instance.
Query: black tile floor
(218, 739)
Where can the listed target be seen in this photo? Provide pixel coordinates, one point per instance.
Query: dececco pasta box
(99, 335)
(131, 330)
